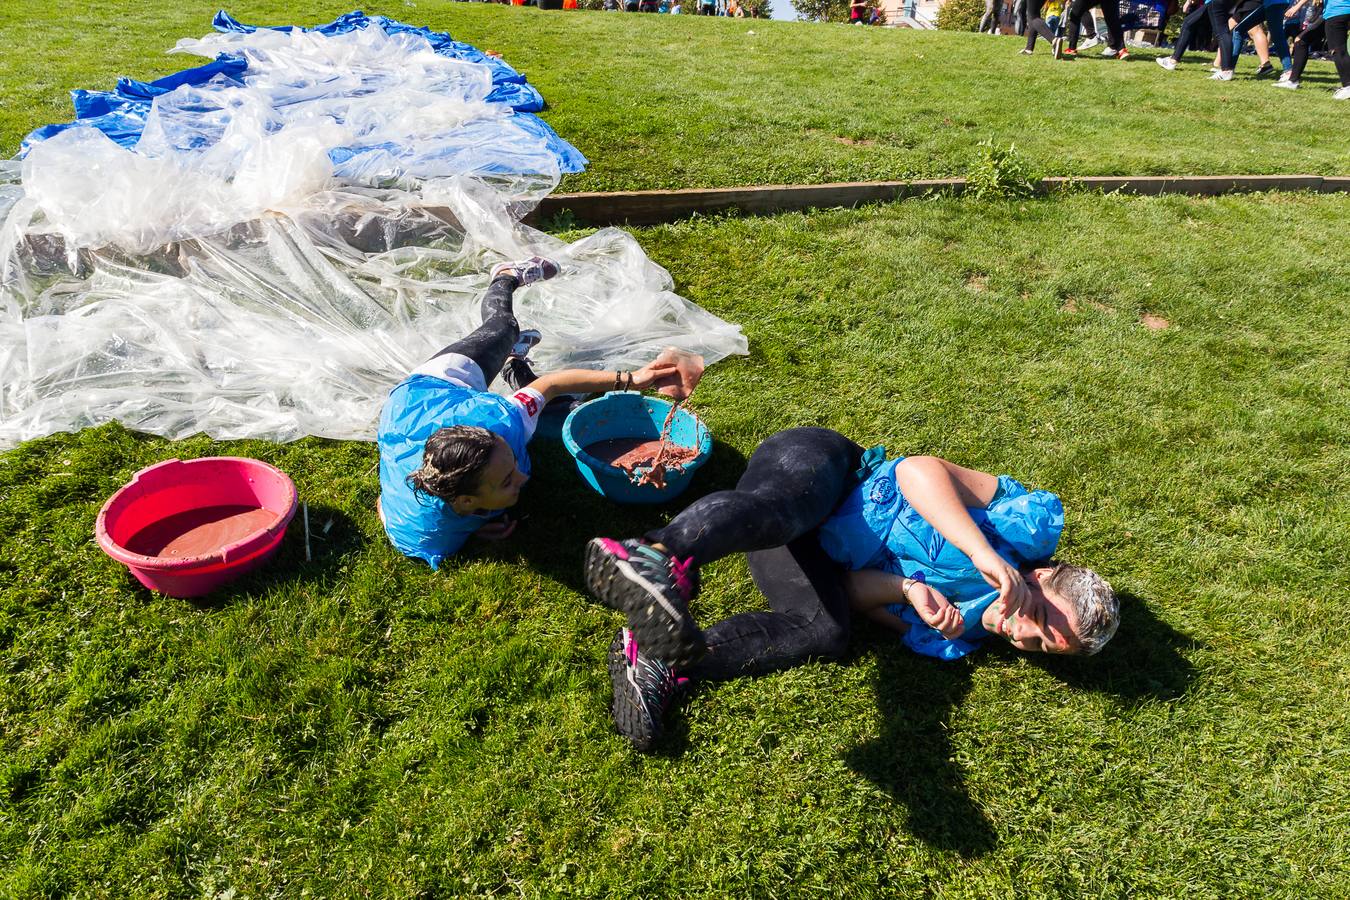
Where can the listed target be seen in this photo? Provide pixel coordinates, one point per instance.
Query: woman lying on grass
(452, 455)
(947, 555)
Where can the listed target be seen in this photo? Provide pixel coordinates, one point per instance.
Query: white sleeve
(531, 404)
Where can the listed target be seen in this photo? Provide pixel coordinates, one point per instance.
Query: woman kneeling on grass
(944, 554)
(452, 455)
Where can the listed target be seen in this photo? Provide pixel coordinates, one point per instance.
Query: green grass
(358, 725)
(661, 101)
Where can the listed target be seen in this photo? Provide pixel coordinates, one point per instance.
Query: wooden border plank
(657, 207)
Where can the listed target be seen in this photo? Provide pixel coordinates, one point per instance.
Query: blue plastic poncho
(876, 528)
(425, 527)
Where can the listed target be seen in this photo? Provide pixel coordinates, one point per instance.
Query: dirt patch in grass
(1154, 323)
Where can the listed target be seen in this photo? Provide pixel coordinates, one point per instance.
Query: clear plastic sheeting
(283, 242)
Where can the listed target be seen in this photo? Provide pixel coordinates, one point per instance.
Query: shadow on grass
(912, 757)
(1143, 662)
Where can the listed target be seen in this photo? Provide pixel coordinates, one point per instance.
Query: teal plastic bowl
(626, 414)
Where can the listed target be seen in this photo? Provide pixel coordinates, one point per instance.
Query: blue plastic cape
(425, 527)
(876, 528)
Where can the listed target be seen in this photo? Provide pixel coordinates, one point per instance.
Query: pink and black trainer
(653, 590)
(643, 690)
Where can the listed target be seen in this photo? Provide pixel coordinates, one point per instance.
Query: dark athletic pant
(1115, 35)
(1037, 24)
(1219, 13)
(1315, 26)
(1193, 18)
(792, 483)
(1337, 28)
(489, 344)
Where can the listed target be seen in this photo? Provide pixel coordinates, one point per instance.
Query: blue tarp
(121, 113)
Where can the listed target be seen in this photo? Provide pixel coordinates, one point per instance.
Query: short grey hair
(1094, 604)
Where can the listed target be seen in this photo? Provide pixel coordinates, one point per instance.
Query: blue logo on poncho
(883, 491)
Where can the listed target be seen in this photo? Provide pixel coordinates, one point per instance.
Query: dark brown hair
(453, 462)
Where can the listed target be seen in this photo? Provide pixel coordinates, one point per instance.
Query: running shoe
(644, 688)
(1166, 62)
(1025, 52)
(1089, 43)
(1069, 53)
(653, 590)
(1342, 94)
(1222, 75)
(1285, 75)
(528, 340)
(517, 373)
(1057, 48)
(528, 271)
(1265, 69)
(1123, 54)
(1110, 53)
(1288, 84)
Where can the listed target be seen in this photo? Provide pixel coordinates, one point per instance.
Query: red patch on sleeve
(530, 404)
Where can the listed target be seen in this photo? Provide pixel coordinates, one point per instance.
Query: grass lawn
(662, 101)
(358, 725)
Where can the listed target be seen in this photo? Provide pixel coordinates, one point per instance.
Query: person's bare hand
(675, 373)
(498, 530)
(936, 610)
(1012, 587)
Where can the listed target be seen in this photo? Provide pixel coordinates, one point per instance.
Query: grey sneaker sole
(663, 630)
(630, 719)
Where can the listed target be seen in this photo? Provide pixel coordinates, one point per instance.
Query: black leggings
(1219, 13)
(489, 344)
(1188, 24)
(1115, 36)
(1036, 25)
(792, 482)
(1300, 49)
(1337, 27)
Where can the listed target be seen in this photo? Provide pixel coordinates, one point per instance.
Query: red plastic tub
(187, 528)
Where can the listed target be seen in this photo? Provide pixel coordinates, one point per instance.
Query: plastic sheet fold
(263, 246)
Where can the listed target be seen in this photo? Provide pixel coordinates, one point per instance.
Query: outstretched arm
(941, 491)
(674, 373)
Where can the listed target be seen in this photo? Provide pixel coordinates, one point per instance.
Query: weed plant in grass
(690, 101)
(359, 725)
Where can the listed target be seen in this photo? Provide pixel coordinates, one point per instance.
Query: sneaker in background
(1166, 62)
(1342, 94)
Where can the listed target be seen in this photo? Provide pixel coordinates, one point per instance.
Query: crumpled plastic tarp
(264, 245)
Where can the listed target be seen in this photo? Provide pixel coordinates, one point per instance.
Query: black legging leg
(1219, 12)
(1337, 28)
(1036, 25)
(1076, 13)
(1115, 35)
(1300, 51)
(809, 618)
(489, 344)
(1188, 30)
(792, 482)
